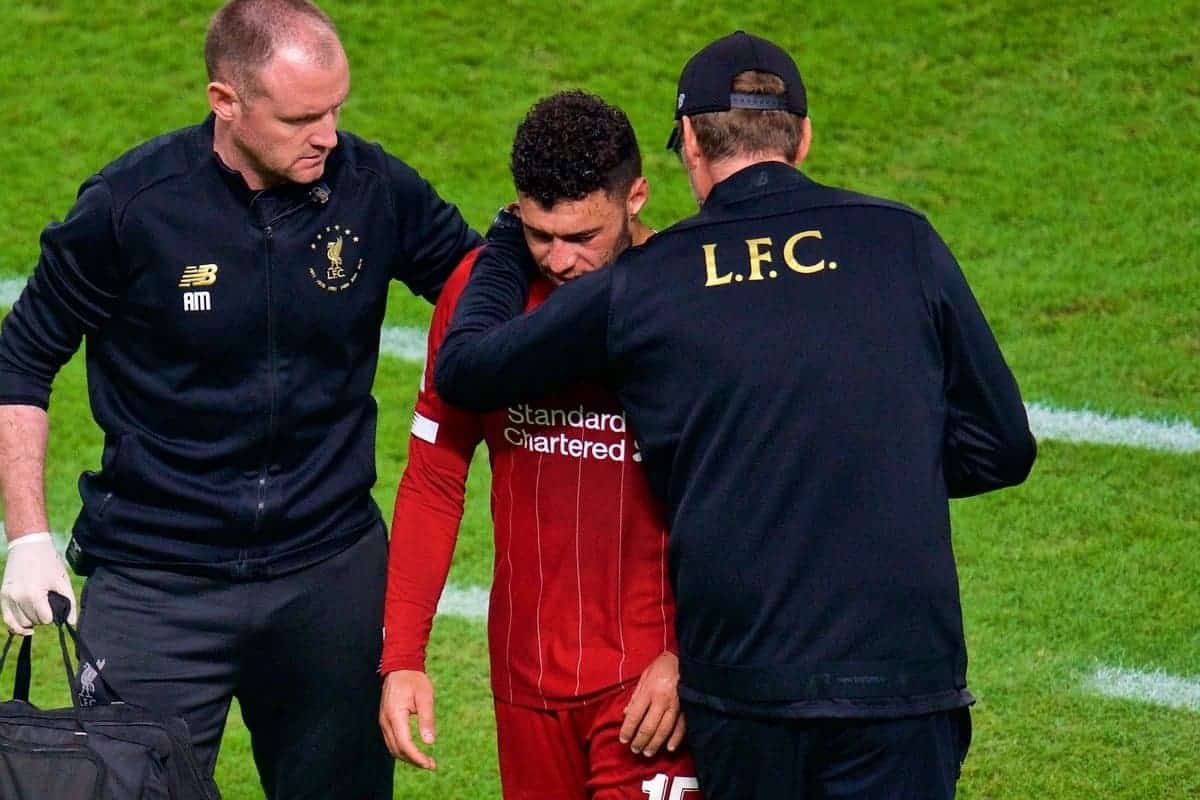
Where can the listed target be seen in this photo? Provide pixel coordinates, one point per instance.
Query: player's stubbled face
(575, 237)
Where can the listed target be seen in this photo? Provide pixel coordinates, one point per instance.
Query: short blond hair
(743, 131)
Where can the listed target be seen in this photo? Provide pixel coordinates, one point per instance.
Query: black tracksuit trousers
(749, 758)
(298, 651)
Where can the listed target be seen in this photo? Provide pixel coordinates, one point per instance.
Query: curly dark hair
(569, 145)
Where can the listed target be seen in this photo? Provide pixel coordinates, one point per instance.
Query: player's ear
(223, 100)
(690, 148)
(639, 192)
(805, 142)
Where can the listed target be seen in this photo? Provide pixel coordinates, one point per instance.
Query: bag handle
(61, 608)
(24, 666)
(4, 653)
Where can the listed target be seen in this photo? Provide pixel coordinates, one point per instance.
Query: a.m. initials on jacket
(198, 275)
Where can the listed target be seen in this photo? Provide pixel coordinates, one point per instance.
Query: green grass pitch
(1054, 145)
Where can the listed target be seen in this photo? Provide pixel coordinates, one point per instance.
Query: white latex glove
(34, 569)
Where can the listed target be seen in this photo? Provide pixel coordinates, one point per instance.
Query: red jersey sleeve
(429, 501)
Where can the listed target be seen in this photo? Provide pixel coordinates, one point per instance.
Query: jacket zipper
(273, 372)
(272, 390)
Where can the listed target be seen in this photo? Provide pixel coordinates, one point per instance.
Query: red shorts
(574, 754)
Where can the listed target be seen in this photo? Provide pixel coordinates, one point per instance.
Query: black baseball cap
(707, 79)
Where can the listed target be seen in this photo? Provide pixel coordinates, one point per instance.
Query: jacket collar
(765, 177)
(208, 156)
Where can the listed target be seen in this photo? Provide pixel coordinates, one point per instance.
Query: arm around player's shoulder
(494, 355)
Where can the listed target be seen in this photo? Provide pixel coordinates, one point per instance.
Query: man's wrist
(29, 538)
(401, 664)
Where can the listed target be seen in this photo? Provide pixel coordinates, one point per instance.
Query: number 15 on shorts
(680, 787)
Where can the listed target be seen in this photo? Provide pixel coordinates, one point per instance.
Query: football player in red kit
(580, 622)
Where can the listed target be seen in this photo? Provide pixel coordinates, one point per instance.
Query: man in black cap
(810, 379)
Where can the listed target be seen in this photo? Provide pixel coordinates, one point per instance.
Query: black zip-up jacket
(232, 339)
(810, 379)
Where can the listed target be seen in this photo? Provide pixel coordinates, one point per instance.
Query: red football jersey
(580, 600)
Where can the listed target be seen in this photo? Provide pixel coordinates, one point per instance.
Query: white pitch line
(1154, 687)
(407, 343)
(1177, 436)
(467, 602)
(1048, 422)
(10, 290)
(403, 342)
